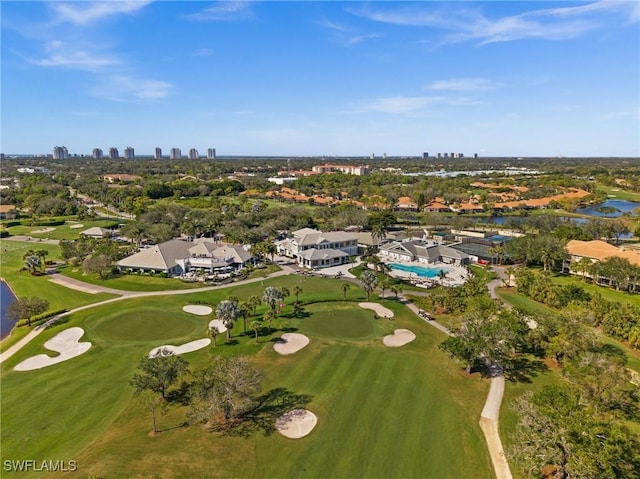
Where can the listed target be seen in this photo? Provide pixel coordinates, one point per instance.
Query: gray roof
(422, 249)
(96, 231)
(314, 254)
(161, 256)
(237, 252)
(309, 236)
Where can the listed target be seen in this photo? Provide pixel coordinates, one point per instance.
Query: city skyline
(323, 78)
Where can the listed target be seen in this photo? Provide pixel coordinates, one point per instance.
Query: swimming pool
(421, 271)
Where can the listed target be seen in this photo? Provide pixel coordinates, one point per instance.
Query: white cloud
(470, 24)
(203, 52)
(465, 84)
(224, 11)
(399, 104)
(83, 13)
(59, 54)
(129, 88)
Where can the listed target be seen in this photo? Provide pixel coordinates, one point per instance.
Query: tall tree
(368, 280)
(229, 385)
(272, 296)
(345, 287)
(27, 308)
(227, 312)
(159, 372)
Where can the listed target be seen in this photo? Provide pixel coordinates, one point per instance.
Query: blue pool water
(422, 271)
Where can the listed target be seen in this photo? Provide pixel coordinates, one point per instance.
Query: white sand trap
(199, 310)
(296, 423)
(183, 348)
(400, 337)
(76, 226)
(43, 230)
(218, 324)
(378, 308)
(291, 343)
(66, 343)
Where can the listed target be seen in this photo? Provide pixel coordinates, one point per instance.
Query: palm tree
(269, 316)
(285, 292)
(272, 296)
(32, 263)
(384, 284)
(297, 290)
(254, 302)
(244, 309)
(213, 332)
(442, 274)
(396, 289)
(369, 281)
(345, 287)
(256, 325)
(227, 312)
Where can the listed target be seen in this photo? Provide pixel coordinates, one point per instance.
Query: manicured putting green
(340, 320)
(147, 323)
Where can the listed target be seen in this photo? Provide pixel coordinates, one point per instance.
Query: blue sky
(323, 78)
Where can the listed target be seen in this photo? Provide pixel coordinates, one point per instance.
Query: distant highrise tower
(129, 153)
(175, 154)
(113, 153)
(193, 154)
(372, 156)
(475, 155)
(425, 155)
(97, 154)
(158, 153)
(211, 153)
(60, 153)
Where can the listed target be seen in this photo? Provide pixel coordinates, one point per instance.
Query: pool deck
(456, 275)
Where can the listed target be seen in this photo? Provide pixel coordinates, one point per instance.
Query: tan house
(8, 212)
(597, 250)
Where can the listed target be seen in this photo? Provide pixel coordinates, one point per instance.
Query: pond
(621, 206)
(6, 298)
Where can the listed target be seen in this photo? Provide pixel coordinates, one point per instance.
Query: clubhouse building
(178, 256)
(315, 249)
(422, 251)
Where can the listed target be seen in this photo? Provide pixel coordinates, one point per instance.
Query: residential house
(8, 212)
(597, 250)
(405, 203)
(316, 249)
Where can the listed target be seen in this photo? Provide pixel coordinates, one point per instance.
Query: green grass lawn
(607, 293)
(24, 284)
(60, 232)
(401, 412)
(620, 194)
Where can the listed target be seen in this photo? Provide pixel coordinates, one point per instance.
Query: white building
(175, 154)
(193, 154)
(211, 154)
(129, 153)
(113, 153)
(157, 153)
(97, 154)
(315, 249)
(423, 252)
(60, 153)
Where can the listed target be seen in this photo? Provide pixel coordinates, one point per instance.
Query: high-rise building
(175, 154)
(193, 154)
(425, 155)
(129, 153)
(60, 153)
(113, 153)
(158, 153)
(97, 154)
(211, 153)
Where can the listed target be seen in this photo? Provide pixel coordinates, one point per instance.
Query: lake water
(623, 206)
(6, 298)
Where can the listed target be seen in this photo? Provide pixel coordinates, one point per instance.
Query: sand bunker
(378, 308)
(296, 423)
(43, 230)
(199, 310)
(400, 337)
(291, 343)
(218, 324)
(66, 343)
(183, 348)
(76, 226)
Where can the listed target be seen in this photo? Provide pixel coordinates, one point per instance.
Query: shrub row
(41, 318)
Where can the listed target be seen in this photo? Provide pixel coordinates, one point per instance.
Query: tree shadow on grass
(263, 415)
(523, 369)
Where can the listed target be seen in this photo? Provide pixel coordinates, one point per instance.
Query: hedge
(40, 318)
